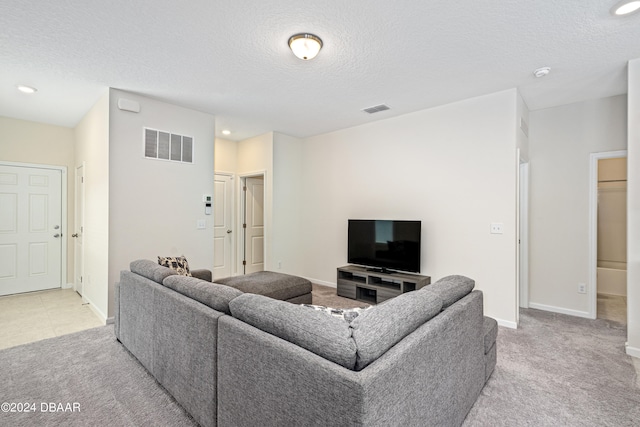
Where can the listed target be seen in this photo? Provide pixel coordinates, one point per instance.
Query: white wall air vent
(376, 108)
(167, 146)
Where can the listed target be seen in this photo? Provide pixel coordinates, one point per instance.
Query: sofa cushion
(346, 314)
(326, 336)
(269, 283)
(207, 293)
(151, 270)
(177, 263)
(378, 329)
(451, 288)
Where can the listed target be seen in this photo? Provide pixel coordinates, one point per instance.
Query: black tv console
(374, 287)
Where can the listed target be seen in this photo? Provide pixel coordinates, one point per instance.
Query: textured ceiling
(230, 57)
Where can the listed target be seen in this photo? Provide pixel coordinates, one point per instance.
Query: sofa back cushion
(151, 270)
(326, 336)
(451, 288)
(379, 328)
(207, 293)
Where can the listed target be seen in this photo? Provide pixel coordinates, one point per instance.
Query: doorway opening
(223, 226)
(33, 224)
(607, 290)
(252, 242)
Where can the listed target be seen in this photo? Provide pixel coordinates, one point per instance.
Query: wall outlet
(582, 288)
(497, 228)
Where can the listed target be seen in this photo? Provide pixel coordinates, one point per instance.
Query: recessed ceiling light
(541, 72)
(27, 89)
(226, 132)
(625, 7)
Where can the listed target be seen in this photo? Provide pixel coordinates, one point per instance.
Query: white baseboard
(111, 321)
(67, 286)
(321, 282)
(632, 351)
(507, 324)
(100, 314)
(560, 310)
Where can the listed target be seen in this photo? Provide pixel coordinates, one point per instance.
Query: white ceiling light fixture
(226, 132)
(305, 46)
(27, 89)
(541, 72)
(625, 7)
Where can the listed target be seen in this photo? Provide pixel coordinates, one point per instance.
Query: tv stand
(380, 270)
(374, 286)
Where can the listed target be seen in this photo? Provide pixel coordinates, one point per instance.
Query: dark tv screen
(385, 244)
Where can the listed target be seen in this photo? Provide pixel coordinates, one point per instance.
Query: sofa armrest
(202, 274)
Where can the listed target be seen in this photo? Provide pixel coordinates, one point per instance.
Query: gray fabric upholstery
(430, 378)
(323, 335)
(202, 274)
(490, 332)
(185, 355)
(116, 311)
(151, 270)
(451, 288)
(137, 314)
(490, 359)
(275, 285)
(210, 294)
(379, 328)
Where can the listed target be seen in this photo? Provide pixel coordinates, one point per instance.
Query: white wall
(633, 211)
(31, 142)
(452, 167)
(92, 149)
(154, 204)
(561, 141)
(288, 190)
(226, 156)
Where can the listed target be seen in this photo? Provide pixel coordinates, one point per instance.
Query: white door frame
(240, 237)
(63, 215)
(523, 174)
(234, 238)
(592, 290)
(77, 207)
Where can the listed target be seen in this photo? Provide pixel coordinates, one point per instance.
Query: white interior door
(79, 221)
(30, 229)
(222, 226)
(254, 225)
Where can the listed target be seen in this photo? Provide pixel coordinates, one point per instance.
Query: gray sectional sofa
(232, 358)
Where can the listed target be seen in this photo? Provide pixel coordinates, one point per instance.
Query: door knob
(228, 231)
(74, 235)
(56, 235)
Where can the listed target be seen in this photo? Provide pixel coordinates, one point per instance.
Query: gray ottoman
(284, 287)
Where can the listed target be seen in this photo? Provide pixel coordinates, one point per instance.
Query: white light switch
(496, 227)
(202, 224)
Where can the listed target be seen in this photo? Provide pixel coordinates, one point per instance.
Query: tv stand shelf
(375, 287)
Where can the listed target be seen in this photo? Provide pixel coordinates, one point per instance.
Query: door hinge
(244, 188)
(244, 225)
(244, 262)
(80, 279)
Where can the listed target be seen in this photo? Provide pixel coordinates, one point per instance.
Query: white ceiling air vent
(167, 146)
(376, 108)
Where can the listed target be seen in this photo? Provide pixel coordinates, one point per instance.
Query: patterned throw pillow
(347, 314)
(177, 263)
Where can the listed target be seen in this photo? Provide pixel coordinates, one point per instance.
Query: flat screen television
(385, 245)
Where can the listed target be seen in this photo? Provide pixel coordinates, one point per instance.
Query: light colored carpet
(555, 370)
